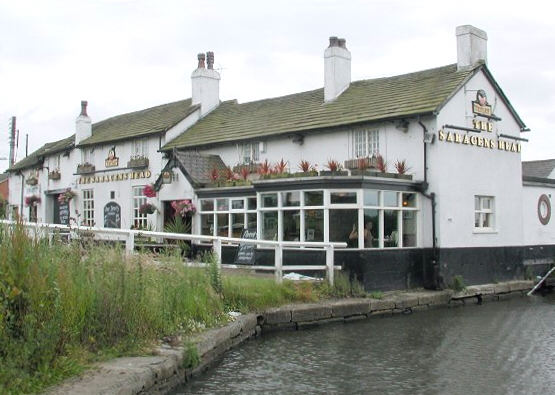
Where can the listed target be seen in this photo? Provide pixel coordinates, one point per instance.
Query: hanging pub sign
(112, 215)
(167, 177)
(480, 106)
(246, 251)
(112, 160)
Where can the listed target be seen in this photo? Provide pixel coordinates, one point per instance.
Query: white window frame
(88, 207)
(483, 212)
(139, 220)
(366, 143)
(250, 152)
(140, 148)
(87, 155)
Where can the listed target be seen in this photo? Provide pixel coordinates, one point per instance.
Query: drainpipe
(432, 197)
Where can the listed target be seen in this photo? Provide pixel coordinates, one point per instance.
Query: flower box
(54, 175)
(355, 163)
(85, 168)
(311, 173)
(369, 173)
(251, 167)
(334, 173)
(138, 162)
(32, 181)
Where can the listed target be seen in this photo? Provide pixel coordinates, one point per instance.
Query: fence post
(130, 242)
(217, 249)
(330, 263)
(278, 263)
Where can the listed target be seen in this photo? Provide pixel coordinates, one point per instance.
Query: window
(140, 148)
(87, 156)
(226, 217)
(366, 143)
(250, 152)
(139, 220)
(483, 212)
(88, 207)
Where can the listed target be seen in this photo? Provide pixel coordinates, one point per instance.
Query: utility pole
(12, 142)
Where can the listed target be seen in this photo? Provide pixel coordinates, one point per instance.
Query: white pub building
(420, 173)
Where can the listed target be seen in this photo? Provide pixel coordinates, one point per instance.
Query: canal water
(505, 347)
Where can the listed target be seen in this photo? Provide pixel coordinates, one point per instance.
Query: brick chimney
(337, 69)
(83, 124)
(205, 82)
(472, 47)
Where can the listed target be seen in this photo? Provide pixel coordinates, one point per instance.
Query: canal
(496, 348)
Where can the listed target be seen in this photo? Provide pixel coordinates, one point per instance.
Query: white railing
(217, 241)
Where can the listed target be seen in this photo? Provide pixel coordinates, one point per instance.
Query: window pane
(477, 220)
(409, 199)
(251, 221)
(371, 198)
(409, 228)
(251, 203)
(390, 228)
(237, 204)
(207, 205)
(237, 224)
(291, 225)
(476, 203)
(342, 224)
(314, 198)
(269, 225)
(222, 205)
(486, 203)
(343, 197)
(222, 225)
(371, 228)
(487, 220)
(207, 224)
(390, 199)
(314, 225)
(269, 200)
(289, 199)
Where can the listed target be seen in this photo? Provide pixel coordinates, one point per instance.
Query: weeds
(457, 283)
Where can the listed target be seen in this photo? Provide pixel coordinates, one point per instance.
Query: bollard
(130, 243)
(217, 249)
(278, 264)
(329, 263)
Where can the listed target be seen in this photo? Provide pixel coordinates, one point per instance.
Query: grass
(65, 306)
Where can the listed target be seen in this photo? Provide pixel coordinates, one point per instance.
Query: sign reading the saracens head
(112, 160)
(480, 106)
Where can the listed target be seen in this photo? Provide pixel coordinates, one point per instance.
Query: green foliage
(179, 225)
(191, 358)
(376, 295)
(457, 283)
(528, 273)
(343, 286)
(214, 271)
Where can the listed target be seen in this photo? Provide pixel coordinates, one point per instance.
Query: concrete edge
(162, 372)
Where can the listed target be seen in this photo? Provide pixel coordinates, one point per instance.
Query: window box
(137, 162)
(311, 173)
(370, 173)
(54, 175)
(355, 163)
(85, 168)
(32, 180)
(334, 173)
(251, 167)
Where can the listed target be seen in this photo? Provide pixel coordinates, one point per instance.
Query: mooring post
(329, 263)
(217, 249)
(130, 242)
(278, 264)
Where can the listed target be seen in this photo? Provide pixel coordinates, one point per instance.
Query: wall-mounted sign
(112, 160)
(544, 209)
(480, 106)
(133, 175)
(478, 141)
(246, 251)
(112, 215)
(167, 177)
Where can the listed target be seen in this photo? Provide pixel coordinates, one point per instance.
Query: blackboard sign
(64, 213)
(112, 215)
(246, 251)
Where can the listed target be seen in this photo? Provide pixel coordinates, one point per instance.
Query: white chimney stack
(337, 69)
(472, 47)
(83, 124)
(206, 84)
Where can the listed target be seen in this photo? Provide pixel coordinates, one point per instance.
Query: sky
(127, 55)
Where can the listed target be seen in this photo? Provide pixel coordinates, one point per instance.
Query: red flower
(149, 191)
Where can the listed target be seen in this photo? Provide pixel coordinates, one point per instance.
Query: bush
(457, 283)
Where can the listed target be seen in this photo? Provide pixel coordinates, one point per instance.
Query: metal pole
(541, 281)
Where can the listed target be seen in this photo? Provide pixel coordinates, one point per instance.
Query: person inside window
(368, 237)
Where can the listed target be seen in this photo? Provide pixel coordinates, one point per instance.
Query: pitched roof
(367, 100)
(538, 168)
(198, 166)
(37, 156)
(140, 123)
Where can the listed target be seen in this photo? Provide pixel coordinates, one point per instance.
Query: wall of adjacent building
(534, 232)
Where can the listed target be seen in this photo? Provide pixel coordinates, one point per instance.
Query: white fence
(278, 246)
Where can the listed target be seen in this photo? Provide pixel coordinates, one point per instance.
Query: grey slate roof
(411, 94)
(538, 168)
(36, 157)
(140, 123)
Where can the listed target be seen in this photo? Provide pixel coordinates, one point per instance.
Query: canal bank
(159, 373)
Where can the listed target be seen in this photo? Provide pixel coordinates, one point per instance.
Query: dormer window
(366, 143)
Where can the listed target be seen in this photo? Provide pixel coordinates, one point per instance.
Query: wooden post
(278, 264)
(330, 263)
(130, 243)
(217, 249)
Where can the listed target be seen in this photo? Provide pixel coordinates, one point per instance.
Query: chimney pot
(341, 42)
(333, 41)
(84, 108)
(210, 60)
(201, 58)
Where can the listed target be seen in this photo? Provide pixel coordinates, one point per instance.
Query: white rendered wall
(534, 231)
(458, 172)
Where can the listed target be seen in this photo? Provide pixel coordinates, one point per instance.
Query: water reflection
(496, 348)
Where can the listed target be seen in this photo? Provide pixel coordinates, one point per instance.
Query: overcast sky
(127, 55)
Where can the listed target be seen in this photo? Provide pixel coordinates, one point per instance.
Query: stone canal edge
(164, 371)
